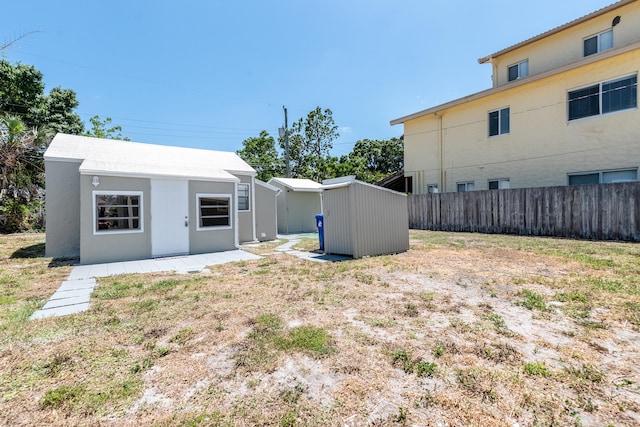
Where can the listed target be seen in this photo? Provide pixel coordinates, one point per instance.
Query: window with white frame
(603, 98)
(465, 186)
(432, 188)
(604, 177)
(214, 211)
(519, 70)
(499, 122)
(598, 43)
(117, 211)
(243, 197)
(499, 184)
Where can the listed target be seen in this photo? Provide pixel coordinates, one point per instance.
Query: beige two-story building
(563, 110)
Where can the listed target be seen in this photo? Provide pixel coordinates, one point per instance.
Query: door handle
(186, 221)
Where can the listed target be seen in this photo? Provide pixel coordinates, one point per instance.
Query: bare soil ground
(462, 330)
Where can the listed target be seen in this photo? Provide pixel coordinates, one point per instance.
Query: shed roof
(347, 181)
(125, 158)
(267, 186)
(298, 184)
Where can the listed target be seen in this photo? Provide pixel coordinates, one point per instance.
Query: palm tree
(21, 174)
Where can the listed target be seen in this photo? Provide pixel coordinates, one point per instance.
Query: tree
(101, 129)
(21, 176)
(22, 94)
(260, 152)
(381, 157)
(310, 143)
(59, 115)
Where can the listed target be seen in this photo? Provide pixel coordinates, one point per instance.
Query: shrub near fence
(600, 212)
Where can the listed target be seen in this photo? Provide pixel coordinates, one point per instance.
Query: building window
(598, 43)
(499, 122)
(432, 188)
(602, 98)
(499, 184)
(117, 211)
(519, 70)
(243, 197)
(465, 186)
(214, 211)
(604, 177)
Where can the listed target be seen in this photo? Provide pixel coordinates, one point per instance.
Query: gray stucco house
(299, 201)
(110, 200)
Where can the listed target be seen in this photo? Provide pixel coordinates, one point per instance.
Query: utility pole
(286, 144)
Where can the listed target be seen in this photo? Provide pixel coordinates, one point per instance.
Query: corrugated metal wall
(364, 220)
(338, 227)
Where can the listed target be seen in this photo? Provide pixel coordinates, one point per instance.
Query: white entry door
(169, 217)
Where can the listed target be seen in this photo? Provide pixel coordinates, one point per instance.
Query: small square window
(499, 122)
(499, 184)
(214, 211)
(598, 43)
(465, 186)
(519, 70)
(117, 211)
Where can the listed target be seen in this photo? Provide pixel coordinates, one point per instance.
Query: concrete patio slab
(72, 285)
(293, 239)
(60, 311)
(60, 294)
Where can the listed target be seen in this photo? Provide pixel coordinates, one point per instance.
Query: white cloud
(345, 129)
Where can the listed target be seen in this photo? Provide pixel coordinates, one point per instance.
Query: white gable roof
(267, 186)
(298, 184)
(125, 158)
(147, 170)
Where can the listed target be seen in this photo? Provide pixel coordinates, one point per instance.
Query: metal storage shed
(362, 219)
(299, 201)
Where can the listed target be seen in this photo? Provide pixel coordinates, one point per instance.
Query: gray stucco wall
(245, 218)
(210, 240)
(101, 248)
(297, 211)
(62, 207)
(281, 208)
(302, 208)
(266, 208)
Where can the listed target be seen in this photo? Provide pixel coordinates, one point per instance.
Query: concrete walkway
(293, 239)
(74, 294)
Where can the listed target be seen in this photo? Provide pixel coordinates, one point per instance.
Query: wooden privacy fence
(601, 211)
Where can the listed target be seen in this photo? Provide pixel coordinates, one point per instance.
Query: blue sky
(209, 74)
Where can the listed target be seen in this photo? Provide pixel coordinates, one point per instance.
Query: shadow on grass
(63, 262)
(37, 251)
(33, 251)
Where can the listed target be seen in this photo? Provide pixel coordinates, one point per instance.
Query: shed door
(169, 217)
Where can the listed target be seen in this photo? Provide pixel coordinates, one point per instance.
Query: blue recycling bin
(320, 225)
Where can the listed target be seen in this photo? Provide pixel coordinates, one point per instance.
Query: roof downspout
(441, 149)
(236, 230)
(252, 201)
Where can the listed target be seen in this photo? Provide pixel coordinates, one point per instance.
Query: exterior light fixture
(95, 181)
